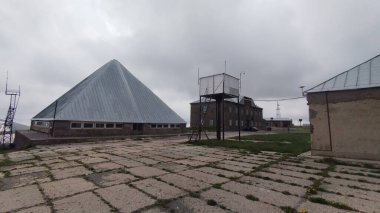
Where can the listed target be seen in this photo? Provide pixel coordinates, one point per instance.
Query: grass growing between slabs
(293, 143)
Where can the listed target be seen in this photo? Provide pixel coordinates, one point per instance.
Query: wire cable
(282, 99)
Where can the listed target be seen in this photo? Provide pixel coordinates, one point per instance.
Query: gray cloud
(49, 46)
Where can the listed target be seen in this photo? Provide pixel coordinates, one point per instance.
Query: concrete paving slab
(352, 183)
(237, 203)
(171, 166)
(184, 182)
(201, 176)
(158, 189)
(240, 164)
(15, 167)
(318, 208)
(355, 177)
(219, 172)
(125, 198)
(191, 162)
(64, 165)
(70, 172)
(355, 203)
(291, 173)
(190, 204)
(129, 163)
(265, 195)
(233, 167)
(350, 192)
(20, 156)
(28, 170)
(48, 162)
(86, 203)
(296, 168)
(147, 161)
(205, 159)
(269, 184)
(91, 160)
(36, 209)
(282, 178)
(102, 167)
(21, 197)
(146, 171)
(65, 187)
(110, 178)
(23, 180)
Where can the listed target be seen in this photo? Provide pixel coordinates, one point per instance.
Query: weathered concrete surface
(62, 188)
(125, 198)
(87, 202)
(22, 197)
(158, 189)
(156, 176)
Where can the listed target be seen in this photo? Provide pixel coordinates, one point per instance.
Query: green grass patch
(212, 203)
(6, 162)
(296, 143)
(288, 209)
(251, 197)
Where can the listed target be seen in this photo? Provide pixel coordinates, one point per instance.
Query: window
(172, 126)
(236, 123)
(138, 127)
(88, 125)
(177, 125)
(165, 126)
(99, 125)
(211, 122)
(230, 122)
(153, 125)
(230, 109)
(76, 125)
(242, 123)
(159, 126)
(119, 125)
(109, 125)
(39, 123)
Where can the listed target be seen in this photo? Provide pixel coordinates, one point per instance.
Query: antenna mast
(278, 113)
(6, 133)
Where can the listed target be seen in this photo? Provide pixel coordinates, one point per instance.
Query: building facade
(250, 115)
(345, 113)
(109, 102)
(279, 122)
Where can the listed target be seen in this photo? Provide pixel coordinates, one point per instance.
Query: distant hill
(16, 126)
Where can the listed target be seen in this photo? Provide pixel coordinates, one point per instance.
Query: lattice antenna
(278, 113)
(7, 131)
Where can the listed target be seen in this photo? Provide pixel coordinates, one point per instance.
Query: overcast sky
(50, 46)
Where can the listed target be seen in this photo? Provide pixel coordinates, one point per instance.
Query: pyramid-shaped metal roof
(110, 94)
(365, 75)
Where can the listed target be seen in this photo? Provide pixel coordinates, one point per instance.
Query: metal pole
(238, 114)
(55, 112)
(223, 104)
(200, 119)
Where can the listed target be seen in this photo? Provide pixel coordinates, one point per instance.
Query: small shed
(345, 113)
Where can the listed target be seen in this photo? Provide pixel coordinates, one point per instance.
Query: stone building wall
(346, 123)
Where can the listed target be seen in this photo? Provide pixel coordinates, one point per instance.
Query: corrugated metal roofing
(233, 100)
(365, 75)
(110, 94)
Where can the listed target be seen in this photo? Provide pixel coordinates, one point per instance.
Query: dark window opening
(165, 126)
(88, 125)
(76, 125)
(138, 127)
(153, 125)
(119, 125)
(172, 125)
(109, 125)
(99, 125)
